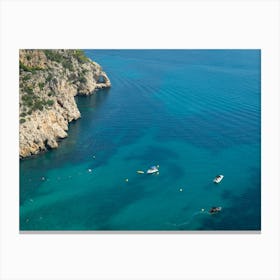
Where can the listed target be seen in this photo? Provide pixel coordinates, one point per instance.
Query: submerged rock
(49, 81)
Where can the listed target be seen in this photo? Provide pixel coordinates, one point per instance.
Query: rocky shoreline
(48, 82)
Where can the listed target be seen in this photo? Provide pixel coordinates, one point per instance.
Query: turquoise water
(196, 113)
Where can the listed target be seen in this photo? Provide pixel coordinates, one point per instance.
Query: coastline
(49, 80)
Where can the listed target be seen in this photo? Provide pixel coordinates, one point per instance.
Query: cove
(195, 113)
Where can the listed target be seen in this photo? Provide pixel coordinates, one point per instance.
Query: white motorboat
(218, 179)
(152, 170)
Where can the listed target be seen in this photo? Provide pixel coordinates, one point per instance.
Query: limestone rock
(49, 80)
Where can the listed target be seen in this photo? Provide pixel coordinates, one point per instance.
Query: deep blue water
(196, 113)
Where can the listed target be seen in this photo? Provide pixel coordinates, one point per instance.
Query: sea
(194, 113)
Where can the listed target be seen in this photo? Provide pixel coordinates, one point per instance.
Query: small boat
(218, 179)
(215, 209)
(140, 172)
(152, 170)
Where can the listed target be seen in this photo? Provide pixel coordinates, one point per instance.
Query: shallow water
(196, 113)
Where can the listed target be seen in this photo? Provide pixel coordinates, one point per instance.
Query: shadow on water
(243, 214)
(91, 211)
(92, 101)
(110, 122)
(56, 158)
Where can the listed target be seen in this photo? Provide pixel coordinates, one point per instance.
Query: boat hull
(218, 179)
(152, 171)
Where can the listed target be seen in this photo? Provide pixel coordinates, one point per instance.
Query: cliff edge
(48, 82)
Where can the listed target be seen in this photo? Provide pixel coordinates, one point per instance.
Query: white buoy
(126, 180)
(89, 170)
(181, 190)
(202, 209)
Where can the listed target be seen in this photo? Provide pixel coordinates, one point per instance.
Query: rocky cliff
(48, 82)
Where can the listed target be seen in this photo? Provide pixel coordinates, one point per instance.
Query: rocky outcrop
(49, 80)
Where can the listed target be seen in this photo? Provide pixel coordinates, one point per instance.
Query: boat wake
(201, 212)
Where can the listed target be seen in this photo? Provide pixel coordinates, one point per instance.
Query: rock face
(49, 80)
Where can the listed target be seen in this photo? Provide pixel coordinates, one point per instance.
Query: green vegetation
(28, 90)
(82, 79)
(22, 121)
(67, 63)
(41, 86)
(49, 78)
(27, 100)
(84, 71)
(38, 105)
(23, 67)
(30, 100)
(51, 93)
(26, 77)
(34, 102)
(80, 56)
(53, 55)
(49, 102)
(28, 68)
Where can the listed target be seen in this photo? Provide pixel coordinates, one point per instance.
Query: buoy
(43, 178)
(157, 166)
(89, 170)
(202, 209)
(181, 190)
(126, 180)
(93, 156)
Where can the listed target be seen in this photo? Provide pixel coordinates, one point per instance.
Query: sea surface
(195, 113)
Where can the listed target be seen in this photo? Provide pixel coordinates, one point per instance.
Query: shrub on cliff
(82, 79)
(66, 63)
(41, 86)
(26, 77)
(29, 69)
(80, 56)
(49, 102)
(53, 55)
